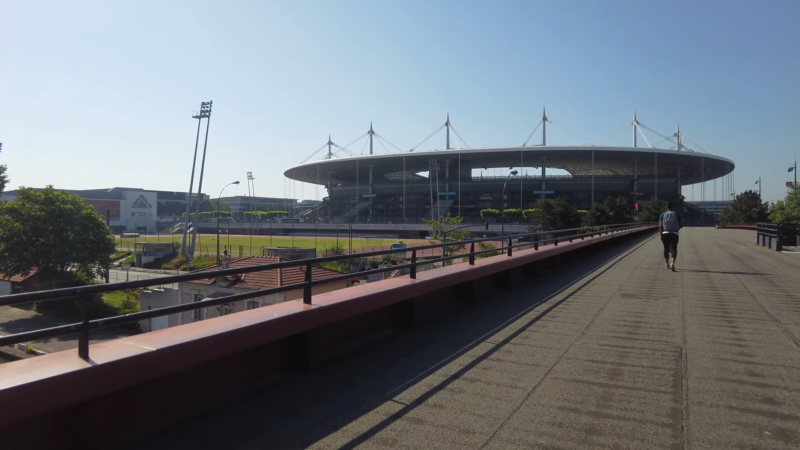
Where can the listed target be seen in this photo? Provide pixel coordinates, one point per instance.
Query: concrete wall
(155, 299)
(5, 287)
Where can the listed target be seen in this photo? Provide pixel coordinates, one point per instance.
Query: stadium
(409, 186)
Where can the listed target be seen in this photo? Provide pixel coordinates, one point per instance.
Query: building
(215, 287)
(16, 284)
(714, 208)
(131, 208)
(409, 186)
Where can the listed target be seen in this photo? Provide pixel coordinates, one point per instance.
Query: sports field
(251, 245)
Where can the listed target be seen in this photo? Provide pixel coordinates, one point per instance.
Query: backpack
(670, 221)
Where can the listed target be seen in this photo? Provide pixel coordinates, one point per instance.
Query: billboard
(141, 209)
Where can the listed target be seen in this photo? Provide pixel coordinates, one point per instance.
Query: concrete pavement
(613, 351)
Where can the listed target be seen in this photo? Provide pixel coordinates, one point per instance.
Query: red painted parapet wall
(150, 379)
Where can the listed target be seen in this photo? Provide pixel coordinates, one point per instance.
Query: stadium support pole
(404, 189)
(593, 177)
(655, 184)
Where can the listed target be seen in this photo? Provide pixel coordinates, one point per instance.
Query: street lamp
(349, 225)
(503, 204)
(218, 200)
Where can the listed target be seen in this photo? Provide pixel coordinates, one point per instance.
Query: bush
(512, 213)
(129, 260)
(167, 266)
(488, 213)
(529, 214)
(120, 303)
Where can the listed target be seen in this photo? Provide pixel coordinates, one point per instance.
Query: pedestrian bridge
(602, 349)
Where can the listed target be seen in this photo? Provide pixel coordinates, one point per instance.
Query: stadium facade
(411, 186)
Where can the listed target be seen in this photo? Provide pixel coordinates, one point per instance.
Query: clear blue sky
(99, 94)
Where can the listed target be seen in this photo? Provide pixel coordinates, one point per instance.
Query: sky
(100, 94)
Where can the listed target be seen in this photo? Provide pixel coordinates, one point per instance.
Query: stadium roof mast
(329, 144)
(634, 128)
(370, 138)
(544, 127)
(447, 124)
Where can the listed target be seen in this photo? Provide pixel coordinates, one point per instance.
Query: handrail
(305, 265)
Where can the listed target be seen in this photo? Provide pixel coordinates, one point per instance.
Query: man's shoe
(673, 267)
(667, 266)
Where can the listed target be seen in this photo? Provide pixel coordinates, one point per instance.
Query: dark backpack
(670, 221)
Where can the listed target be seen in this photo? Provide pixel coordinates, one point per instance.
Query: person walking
(668, 225)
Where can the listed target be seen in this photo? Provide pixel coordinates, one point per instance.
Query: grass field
(208, 243)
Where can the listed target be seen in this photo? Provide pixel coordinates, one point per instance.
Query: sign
(544, 192)
(447, 193)
(369, 196)
(126, 267)
(141, 209)
(789, 184)
(325, 199)
(160, 255)
(636, 194)
(398, 256)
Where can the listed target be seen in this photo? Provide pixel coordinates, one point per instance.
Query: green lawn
(208, 243)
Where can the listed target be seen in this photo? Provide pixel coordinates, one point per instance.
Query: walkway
(630, 355)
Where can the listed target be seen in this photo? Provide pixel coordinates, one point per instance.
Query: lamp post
(218, 200)
(349, 225)
(503, 203)
(758, 182)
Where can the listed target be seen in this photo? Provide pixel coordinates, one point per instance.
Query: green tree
(444, 229)
(598, 215)
(55, 233)
(652, 211)
(3, 176)
(565, 215)
(788, 209)
(746, 207)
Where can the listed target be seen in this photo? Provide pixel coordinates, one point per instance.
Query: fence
(528, 240)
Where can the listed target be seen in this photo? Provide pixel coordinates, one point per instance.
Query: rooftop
(267, 279)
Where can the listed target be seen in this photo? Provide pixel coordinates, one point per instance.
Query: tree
(746, 207)
(787, 210)
(558, 214)
(652, 211)
(565, 215)
(3, 176)
(55, 233)
(444, 230)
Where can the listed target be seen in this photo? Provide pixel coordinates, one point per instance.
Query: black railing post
(413, 274)
(509, 246)
(555, 239)
(83, 336)
(307, 285)
(472, 254)
(536, 244)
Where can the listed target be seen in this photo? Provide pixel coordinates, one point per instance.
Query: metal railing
(531, 240)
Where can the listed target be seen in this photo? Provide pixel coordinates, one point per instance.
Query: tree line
(747, 208)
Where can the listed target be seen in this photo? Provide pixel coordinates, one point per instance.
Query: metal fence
(515, 242)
